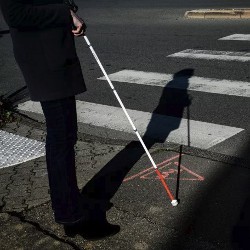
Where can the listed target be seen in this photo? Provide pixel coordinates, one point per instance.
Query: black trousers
(61, 123)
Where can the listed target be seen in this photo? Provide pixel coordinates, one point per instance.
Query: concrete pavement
(235, 13)
(213, 209)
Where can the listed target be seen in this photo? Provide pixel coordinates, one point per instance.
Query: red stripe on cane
(164, 184)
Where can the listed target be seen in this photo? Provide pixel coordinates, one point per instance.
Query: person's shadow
(174, 99)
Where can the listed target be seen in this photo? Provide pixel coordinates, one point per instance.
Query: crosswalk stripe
(236, 37)
(209, 85)
(213, 55)
(166, 128)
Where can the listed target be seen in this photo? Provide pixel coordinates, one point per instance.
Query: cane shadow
(103, 186)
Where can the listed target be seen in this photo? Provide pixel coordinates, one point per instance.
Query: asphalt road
(139, 35)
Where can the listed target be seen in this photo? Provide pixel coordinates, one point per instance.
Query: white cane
(174, 202)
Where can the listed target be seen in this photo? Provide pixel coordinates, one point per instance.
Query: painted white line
(236, 37)
(209, 85)
(213, 55)
(15, 149)
(165, 128)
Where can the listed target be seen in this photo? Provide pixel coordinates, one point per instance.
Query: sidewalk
(213, 196)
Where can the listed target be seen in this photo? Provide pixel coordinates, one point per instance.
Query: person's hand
(80, 26)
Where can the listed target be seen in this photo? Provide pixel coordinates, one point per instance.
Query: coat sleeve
(21, 15)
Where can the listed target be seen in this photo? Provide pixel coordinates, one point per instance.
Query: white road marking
(166, 128)
(213, 55)
(15, 149)
(236, 37)
(209, 85)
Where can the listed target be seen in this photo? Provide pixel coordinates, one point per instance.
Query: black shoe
(88, 201)
(91, 230)
(70, 222)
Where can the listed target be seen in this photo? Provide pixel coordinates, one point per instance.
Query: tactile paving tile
(15, 149)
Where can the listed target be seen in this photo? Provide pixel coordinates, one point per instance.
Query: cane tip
(174, 203)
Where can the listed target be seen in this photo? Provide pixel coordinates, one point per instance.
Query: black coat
(44, 47)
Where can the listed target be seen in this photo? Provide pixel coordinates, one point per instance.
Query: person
(42, 33)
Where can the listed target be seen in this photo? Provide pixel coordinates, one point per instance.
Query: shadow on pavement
(241, 231)
(104, 184)
(218, 217)
(221, 218)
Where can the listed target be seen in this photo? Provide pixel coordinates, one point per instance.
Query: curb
(188, 150)
(218, 14)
